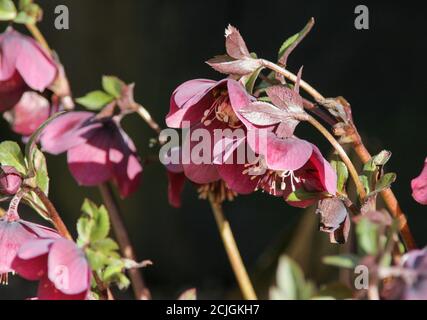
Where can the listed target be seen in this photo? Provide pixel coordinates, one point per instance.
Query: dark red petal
(176, 183)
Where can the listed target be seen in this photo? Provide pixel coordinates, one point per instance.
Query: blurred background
(159, 44)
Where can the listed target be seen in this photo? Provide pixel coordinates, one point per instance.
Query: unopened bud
(10, 180)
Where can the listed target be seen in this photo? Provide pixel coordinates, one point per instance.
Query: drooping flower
(60, 266)
(14, 232)
(98, 150)
(419, 186)
(212, 106)
(10, 180)
(23, 65)
(31, 111)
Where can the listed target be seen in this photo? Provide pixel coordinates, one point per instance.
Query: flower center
(274, 182)
(222, 111)
(219, 189)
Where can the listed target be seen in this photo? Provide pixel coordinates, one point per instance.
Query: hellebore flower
(98, 150)
(10, 180)
(31, 111)
(23, 64)
(212, 106)
(59, 265)
(14, 232)
(419, 186)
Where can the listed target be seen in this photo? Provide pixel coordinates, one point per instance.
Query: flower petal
(88, 162)
(192, 95)
(29, 113)
(176, 183)
(125, 163)
(47, 291)
(68, 131)
(68, 268)
(233, 175)
(419, 186)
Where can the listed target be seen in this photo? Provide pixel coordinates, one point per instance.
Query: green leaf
(301, 195)
(107, 246)
(24, 4)
(7, 10)
(385, 182)
(291, 43)
(348, 261)
(368, 236)
(11, 155)
(97, 224)
(381, 158)
(291, 283)
(95, 100)
(342, 173)
(24, 18)
(335, 290)
(113, 85)
(364, 180)
(251, 79)
(190, 294)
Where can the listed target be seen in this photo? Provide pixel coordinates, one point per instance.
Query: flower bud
(10, 180)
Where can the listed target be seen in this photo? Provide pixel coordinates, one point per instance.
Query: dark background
(160, 44)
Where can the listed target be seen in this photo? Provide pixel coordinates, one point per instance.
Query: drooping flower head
(14, 232)
(98, 150)
(23, 65)
(60, 266)
(419, 186)
(211, 106)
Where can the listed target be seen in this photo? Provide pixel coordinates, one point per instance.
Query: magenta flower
(24, 64)
(212, 105)
(59, 265)
(10, 180)
(14, 232)
(419, 186)
(98, 150)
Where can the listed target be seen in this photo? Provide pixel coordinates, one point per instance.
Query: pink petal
(68, 268)
(189, 101)
(327, 175)
(47, 291)
(68, 131)
(88, 162)
(12, 236)
(40, 231)
(281, 154)
(11, 91)
(125, 163)
(233, 176)
(23, 53)
(30, 112)
(419, 186)
(239, 99)
(198, 170)
(176, 183)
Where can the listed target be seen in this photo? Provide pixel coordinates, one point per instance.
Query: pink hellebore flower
(212, 105)
(419, 186)
(59, 265)
(14, 232)
(31, 111)
(98, 150)
(23, 64)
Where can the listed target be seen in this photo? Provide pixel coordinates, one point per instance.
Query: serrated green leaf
(106, 246)
(97, 225)
(291, 43)
(7, 10)
(113, 85)
(348, 261)
(11, 155)
(95, 100)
